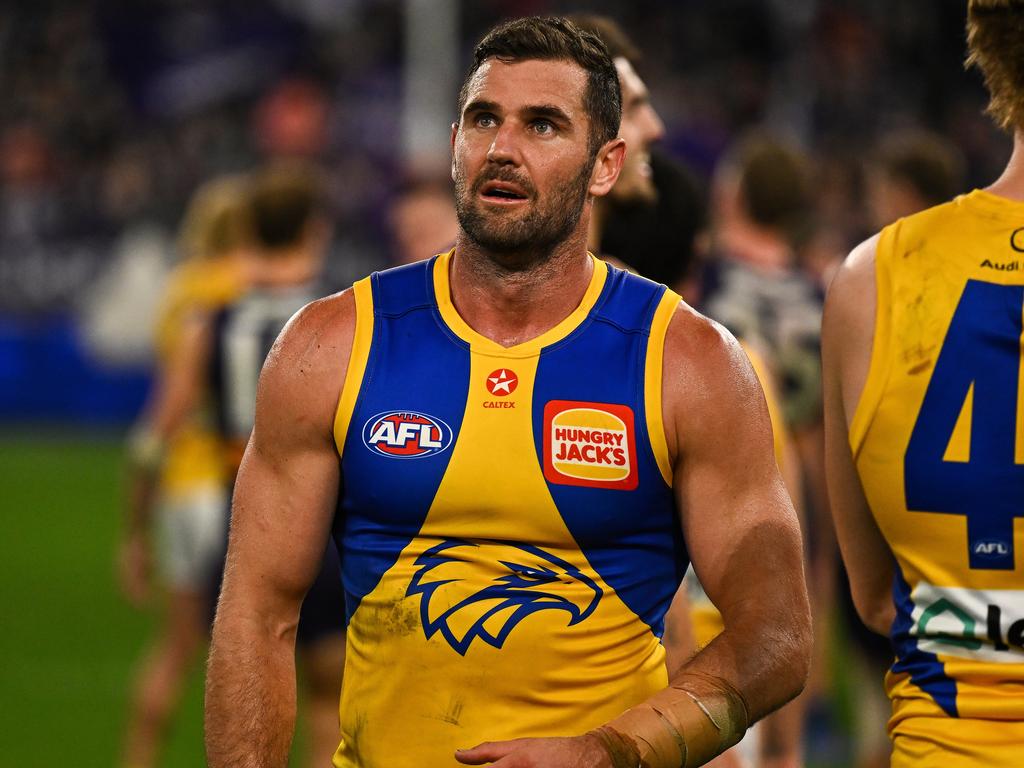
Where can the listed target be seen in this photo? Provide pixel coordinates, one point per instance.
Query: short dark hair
(553, 38)
(774, 184)
(995, 44)
(619, 44)
(930, 164)
(283, 200)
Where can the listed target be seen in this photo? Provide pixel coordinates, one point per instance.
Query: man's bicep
(282, 512)
(730, 494)
(287, 487)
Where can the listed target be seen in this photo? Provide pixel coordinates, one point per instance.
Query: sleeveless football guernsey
(508, 534)
(939, 445)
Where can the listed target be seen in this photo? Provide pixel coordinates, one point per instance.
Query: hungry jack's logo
(590, 444)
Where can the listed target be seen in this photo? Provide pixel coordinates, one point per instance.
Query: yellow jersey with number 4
(938, 441)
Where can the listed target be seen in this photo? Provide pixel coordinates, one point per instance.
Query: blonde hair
(995, 44)
(216, 221)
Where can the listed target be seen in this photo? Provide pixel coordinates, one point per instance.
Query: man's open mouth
(504, 191)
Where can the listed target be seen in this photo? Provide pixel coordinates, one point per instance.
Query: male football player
(925, 443)
(511, 443)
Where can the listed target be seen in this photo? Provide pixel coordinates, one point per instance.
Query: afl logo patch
(590, 444)
(406, 434)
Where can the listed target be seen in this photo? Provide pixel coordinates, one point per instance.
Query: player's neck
(511, 306)
(1011, 183)
(758, 246)
(286, 268)
(596, 227)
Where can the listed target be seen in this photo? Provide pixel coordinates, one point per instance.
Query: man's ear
(607, 167)
(455, 131)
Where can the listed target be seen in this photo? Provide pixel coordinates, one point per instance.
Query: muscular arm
(283, 506)
(745, 540)
(740, 527)
(847, 337)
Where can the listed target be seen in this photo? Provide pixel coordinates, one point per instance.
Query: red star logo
(502, 382)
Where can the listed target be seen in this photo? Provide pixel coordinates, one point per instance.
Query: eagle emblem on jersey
(520, 580)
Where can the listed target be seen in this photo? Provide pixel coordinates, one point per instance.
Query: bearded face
(531, 220)
(522, 159)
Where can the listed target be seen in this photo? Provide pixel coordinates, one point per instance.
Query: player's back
(244, 332)
(939, 445)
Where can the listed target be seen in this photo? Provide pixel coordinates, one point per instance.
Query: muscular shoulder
(854, 282)
(318, 337)
(708, 380)
(306, 367)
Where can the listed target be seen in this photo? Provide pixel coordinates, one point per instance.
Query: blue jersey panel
(926, 671)
(409, 420)
(637, 547)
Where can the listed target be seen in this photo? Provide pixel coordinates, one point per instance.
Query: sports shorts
(190, 535)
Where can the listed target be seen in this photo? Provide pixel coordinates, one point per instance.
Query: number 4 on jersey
(983, 349)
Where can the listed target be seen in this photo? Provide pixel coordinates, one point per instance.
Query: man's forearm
(250, 694)
(767, 616)
(765, 647)
(768, 668)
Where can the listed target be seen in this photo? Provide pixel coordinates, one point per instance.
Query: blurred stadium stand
(113, 112)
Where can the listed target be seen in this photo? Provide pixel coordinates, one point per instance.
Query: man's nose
(504, 148)
(654, 127)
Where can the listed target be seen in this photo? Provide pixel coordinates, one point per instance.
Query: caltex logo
(502, 382)
(406, 434)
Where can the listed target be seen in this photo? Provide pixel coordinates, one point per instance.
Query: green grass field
(69, 642)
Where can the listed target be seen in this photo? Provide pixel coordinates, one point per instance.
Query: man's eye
(543, 127)
(485, 121)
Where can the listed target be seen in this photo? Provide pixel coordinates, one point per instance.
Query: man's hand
(585, 751)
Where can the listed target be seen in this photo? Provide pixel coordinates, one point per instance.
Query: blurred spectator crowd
(114, 112)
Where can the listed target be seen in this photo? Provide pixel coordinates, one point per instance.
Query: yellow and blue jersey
(938, 441)
(508, 533)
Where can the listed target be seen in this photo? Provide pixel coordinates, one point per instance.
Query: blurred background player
(177, 479)
(662, 238)
(751, 282)
(422, 219)
(922, 351)
(911, 171)
(214, 372)
(286, 205)
(651, 218)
